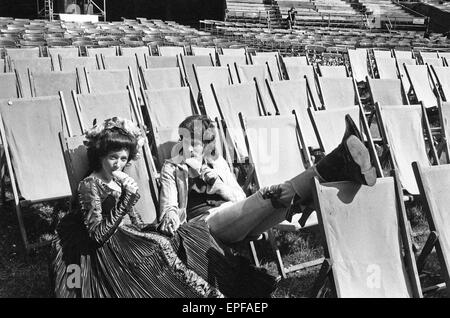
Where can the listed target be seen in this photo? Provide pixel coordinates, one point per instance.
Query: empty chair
(100, 81)
(187, 67)
(197, 50)
(70, 64)
(420, 81)
(387, 68)
(299, 72)
(139, 52)
(121, 63)
(171, 50)
(232, 100)
(359, 261)
(269, 60)
(230, 61)
(358, 64)
(328, 71)
(384, 54)
(96, 107)
(337, 92)
(9, 87)
(433, 61)
(167, 77)
(56, 52)
(402, 129)
(403, 54)
(106, 51)
(22, 53)
(235, 51)
(442, 76)
(433, 182)
(29, 128)
(387, 92)
(23, 66)
(205, 76)
(161, 61)
(50, 84)
(293, 95)
(401, 70)
(260, 73)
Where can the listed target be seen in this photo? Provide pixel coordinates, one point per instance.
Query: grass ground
(23, 275)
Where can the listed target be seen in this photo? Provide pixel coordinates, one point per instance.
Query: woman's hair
(109, 140)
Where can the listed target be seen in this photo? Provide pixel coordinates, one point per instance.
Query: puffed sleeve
(101, 227)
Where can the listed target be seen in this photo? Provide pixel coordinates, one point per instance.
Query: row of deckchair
(398, 287)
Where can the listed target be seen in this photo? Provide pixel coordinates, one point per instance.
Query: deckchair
(106, 51)
(428, 55)
(359, 261)
(442, 76)
(161, 61)
(402, 130)
(432, 61)
(187, 63)
(9, 87)
(328, 71)
(77, 169)
(171, 50)
(197, 50)
(121, 63)
(22, 53)
(358, 64)
(231, 60)
(139, 52)
(22, 67)
(231, 51)
(50, 84)
(167, 108)
(402, 72)
(382, 54)
(100, 81)
(258, 73)
(403, 54)
(232, 100)
(386, 67)
(271, 61)
(387, 92)
(29, 130)
(434, 183)
(56, 52)
(299, 72)
(205, 76)
(96, 107)
(278, 153)
(70, 64)
(421, 84)
(444, 119)
(337, 92)
(164, 77)
(292, 95)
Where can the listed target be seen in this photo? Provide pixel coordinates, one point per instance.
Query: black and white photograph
(252, 151)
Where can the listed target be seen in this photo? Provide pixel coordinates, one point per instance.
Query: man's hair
(195, 126)
(109, 140)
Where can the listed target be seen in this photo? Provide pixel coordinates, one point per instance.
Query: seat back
(337, 92)
(9, 88)
(387, 91)
(365, 263)
(31, 133)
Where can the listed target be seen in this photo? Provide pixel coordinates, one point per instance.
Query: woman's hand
(170, 223)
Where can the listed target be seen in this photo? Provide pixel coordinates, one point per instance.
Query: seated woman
(202, 209)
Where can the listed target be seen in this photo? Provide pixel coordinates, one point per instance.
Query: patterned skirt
(136, 264)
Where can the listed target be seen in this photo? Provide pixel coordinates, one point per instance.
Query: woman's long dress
(119, 260)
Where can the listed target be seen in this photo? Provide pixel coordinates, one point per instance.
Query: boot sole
(361, 156)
